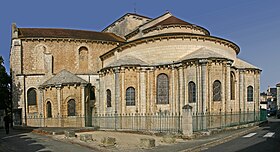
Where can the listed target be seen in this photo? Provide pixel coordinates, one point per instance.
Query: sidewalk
(130, 141)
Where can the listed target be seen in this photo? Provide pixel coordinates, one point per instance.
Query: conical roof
(64, 77)
(238, 63)
(202, 53)
(127, 60)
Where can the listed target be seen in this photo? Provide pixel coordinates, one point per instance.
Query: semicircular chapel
(135, 65)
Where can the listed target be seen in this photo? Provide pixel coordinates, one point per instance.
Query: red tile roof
(67, 33)
(171, 21)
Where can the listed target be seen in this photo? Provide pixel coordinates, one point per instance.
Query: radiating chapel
(136, 64)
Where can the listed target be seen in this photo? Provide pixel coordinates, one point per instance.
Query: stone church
(136, 64)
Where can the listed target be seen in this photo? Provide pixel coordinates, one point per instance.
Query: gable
(126, 24)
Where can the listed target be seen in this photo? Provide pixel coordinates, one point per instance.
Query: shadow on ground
(18, 140)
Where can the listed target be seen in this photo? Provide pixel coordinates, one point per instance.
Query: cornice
(168, 36)
(69, 40)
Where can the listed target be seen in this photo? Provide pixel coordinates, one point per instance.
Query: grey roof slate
(238, 63)
(64, 77)
(202, 53)
(127, 60)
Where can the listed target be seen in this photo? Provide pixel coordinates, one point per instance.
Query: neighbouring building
(135, 65)
(268, 99)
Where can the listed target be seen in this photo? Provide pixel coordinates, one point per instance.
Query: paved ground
(130, 142)
(265, 138)
(25, 140)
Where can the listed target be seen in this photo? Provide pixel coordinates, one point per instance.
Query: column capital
(116, 70)
(203, 61)
(229, 62)
(58, 86)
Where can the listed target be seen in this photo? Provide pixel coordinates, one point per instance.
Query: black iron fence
(222, 120)
(156, 122)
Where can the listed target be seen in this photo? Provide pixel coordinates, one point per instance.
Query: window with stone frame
(109, 98)
(192, 92)
(83, 59)
(250, 94)
(130, 96)
(71, 107)
(232, 86)
(217, 91)
(92, 93)
(162, 89)
(49, 109)
(31, 97)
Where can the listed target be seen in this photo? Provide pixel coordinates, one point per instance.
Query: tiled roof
(127, 60)
(243, 65)
(64, 77)
(67, 33)
(171, 21)
(202, 53)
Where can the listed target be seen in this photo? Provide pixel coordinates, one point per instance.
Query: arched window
(71, 107)
(232, 86)
(108, 93)
(49, 109)
(217, 88)
(83, 53)
(250, 94)
(130, 96)
(83, 59)
(192, 92)
(92, 93)
(162, 89)
(31, 97)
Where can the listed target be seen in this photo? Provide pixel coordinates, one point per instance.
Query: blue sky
(252, 24)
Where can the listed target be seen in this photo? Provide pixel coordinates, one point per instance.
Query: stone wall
(35, 50)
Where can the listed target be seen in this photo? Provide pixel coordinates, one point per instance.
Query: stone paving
(136, 141)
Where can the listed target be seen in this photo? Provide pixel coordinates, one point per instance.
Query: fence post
(187, 127)
(115, 116)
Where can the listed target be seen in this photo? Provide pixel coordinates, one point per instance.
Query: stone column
(181, 88)
(83, 105)
(227, 89)
(58, 96)
(203, 84)
(122, 102)
(187, 127)
(117, 89)
(241, 90)
(41, 113)
(142, 94)
(198, 90)
(209, 88)
(117, 97)
(174, 105)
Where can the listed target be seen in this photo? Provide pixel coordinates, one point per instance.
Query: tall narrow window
(49, 109)
(250, 94)
(130, 96)
(83, 59)
(232, 86)
(109, 103)
(71, 107)
(162, 89)
(217, 91)
(192, 92)
(31, 97)
(92, 93)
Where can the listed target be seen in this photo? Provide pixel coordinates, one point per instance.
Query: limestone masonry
(135, 65)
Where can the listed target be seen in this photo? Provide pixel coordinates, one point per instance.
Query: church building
(137, 64)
